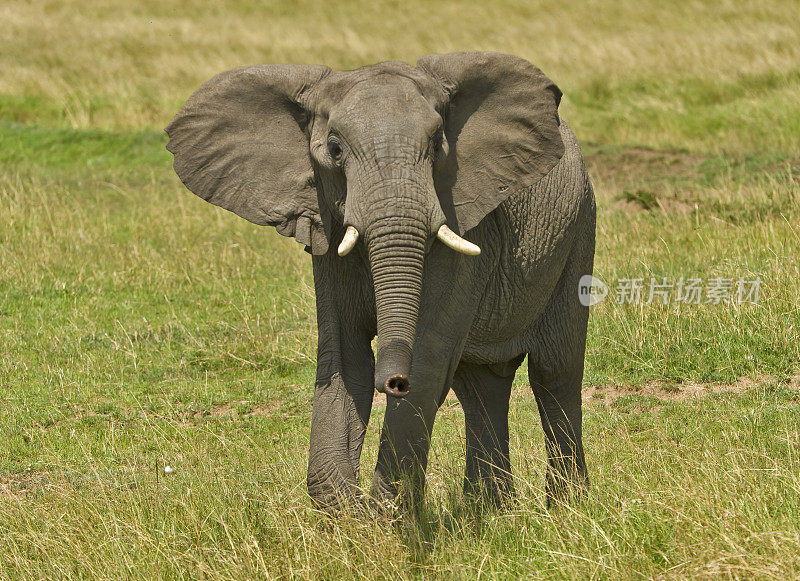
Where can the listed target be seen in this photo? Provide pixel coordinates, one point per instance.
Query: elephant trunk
(396, 254)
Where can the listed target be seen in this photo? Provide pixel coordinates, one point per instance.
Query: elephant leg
(407, 429)
(555, 371)
(403, 452)
(340, 413)
(484, 392)
(558, 396)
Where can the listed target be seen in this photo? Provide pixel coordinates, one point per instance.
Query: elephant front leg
(408, 424)
(341, 410)
(403, 452)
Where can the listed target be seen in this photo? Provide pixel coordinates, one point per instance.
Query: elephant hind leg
(484, 393)
(555, 371)
(558, 397)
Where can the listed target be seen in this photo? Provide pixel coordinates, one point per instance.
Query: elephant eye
(439, 147)
(334, 149)
(436, 140)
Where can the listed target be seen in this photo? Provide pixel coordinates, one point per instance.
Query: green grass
(141, 327)
(701, 488)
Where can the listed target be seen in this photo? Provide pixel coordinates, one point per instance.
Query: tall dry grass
(707, 76)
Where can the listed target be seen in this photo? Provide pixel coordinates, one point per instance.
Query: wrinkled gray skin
(472, 140)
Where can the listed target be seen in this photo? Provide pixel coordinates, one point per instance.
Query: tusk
(456, 242)
(349, 241)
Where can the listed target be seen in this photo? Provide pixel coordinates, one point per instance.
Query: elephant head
(389, 156)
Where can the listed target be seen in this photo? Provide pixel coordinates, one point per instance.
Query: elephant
(448, 212)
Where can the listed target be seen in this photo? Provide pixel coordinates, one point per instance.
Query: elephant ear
(501, 123)
(240, 143)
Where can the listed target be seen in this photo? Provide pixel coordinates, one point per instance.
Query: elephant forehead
(398, 77)
(385, 111)
(384, 101)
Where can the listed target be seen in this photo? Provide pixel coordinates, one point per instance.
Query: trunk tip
(396, 385)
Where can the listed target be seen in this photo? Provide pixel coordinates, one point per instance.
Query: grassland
(140, 327)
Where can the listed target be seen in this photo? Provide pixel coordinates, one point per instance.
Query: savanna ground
(142, 328)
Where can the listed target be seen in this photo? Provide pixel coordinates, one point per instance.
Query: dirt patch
(23, 483)
(635, 180)
(233, 409)
(605, 394)
(638, 165)
(664, 391)
(239, 409)
(649, 201)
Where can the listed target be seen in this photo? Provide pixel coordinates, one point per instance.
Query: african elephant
(395, 165)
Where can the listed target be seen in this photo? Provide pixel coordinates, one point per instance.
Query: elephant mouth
(396, 385)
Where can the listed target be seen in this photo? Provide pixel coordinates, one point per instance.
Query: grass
(141, 327)
(711, 76)
(701, 488)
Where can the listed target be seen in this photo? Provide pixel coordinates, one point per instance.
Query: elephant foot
(331, 501)
(354, 503)
(569, 487)
(331, 491)
(495, 492)
(398, 498)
